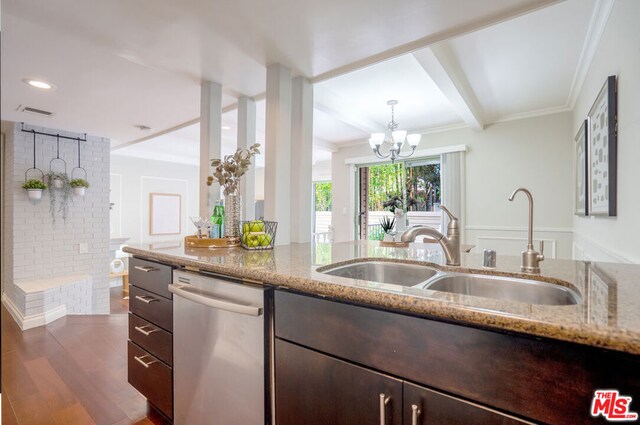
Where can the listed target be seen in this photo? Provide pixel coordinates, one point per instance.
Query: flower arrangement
(227, 171)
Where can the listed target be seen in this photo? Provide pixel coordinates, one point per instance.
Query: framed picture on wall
(165, 214)
(580, 171)
(602, 152)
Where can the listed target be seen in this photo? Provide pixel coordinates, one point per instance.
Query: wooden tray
(196, 242)
(394, 244)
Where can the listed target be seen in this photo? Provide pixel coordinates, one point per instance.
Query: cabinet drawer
(152, 307)
(432, 407)
(152, 378)
(153, 277)
(152, 338)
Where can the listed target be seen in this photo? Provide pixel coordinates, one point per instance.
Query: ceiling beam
(439, 62)
(448, 33)
(331, 104)
(228, 108)
(324, 145)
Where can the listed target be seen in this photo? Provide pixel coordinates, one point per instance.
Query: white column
(210, 142)
(246, 138)
(301, 159)
(277, 173)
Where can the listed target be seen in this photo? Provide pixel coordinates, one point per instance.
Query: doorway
(414, 186)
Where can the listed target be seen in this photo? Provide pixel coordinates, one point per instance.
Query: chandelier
(395, 137)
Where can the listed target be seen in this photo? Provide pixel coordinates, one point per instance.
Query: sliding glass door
(413, 186)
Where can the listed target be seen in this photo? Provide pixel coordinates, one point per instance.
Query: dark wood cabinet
(530, 378)
(422, 406)
(151, 377)
(150, 347)
(152, 338)
(154, 308)
(151, 276)
(315, 389)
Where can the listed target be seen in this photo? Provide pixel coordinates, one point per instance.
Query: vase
(58, 183)
(79, 191)
(232, 216)
(34, 194)
(401, 221)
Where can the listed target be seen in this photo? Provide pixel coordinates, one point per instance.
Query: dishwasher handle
(215, 302)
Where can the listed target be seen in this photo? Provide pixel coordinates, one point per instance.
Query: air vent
(37, 111)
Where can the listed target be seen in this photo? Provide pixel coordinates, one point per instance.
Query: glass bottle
(217, 221)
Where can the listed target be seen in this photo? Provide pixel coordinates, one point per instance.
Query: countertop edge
(621, 341)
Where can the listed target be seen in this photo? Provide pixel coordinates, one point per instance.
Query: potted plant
(34, 188)
(395, 204)
(56, 202)
(79, 186)
(387, 227)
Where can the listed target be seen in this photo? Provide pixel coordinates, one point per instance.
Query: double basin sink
(488, 286)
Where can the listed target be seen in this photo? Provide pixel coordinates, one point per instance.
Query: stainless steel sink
(504, 288)
(386, 272)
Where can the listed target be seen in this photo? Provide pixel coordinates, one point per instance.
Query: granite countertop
(608, 316)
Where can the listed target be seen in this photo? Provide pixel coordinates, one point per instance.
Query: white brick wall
(37, 249)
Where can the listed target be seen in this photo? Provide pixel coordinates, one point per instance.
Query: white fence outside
(421, 218)
(323, 221)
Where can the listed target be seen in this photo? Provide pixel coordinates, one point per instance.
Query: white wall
(616, 238)
(535, 153)
(133, 179)
(35, 248)
(321, 171)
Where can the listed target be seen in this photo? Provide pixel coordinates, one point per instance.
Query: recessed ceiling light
(226, 127)
(38, 84)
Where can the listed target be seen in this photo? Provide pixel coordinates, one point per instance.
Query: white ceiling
(120, 63)
(520, 67)
(524, 66)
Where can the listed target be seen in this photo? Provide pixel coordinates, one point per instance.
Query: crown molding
(599, 18)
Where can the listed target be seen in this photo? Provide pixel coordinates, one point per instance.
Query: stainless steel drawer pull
(415, 412)
(143, 331)
(142, 362)
(145, 299)
(384, 400)
(144, 269)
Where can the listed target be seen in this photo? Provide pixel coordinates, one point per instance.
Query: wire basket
(258, 234)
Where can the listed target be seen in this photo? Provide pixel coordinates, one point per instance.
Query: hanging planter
(79, 186)
(34, 188)
(58, 182)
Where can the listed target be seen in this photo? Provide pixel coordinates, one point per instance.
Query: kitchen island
(463, 356)
(608, 316)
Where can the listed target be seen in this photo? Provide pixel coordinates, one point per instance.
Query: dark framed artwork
(602, 152)
(581, 177)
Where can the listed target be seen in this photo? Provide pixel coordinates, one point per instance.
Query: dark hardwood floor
(72, 371)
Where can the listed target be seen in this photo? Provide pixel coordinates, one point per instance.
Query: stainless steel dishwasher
(218, 351)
